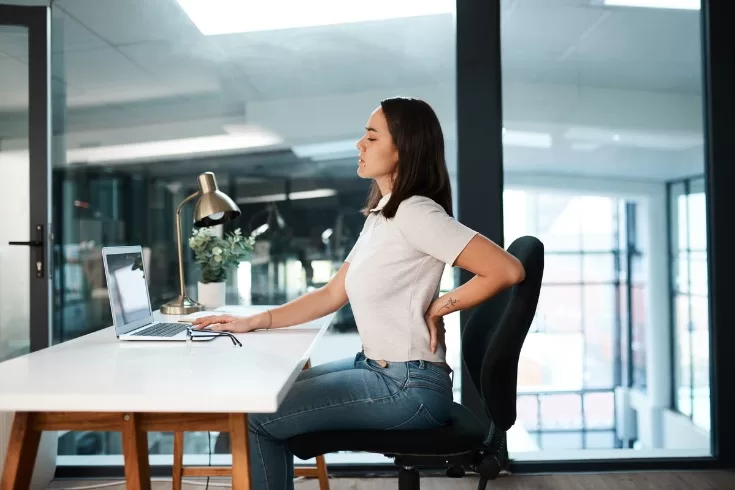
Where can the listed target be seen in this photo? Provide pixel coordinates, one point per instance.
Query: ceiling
(615, 88)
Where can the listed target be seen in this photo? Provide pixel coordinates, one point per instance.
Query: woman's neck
(385, 185)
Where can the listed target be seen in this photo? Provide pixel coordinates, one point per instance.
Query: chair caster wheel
(489, 467)
(455, 471)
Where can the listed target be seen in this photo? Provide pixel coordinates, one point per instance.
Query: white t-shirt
(394, 274)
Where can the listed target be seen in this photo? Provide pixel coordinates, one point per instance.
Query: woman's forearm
(310, 306)
(470, 294)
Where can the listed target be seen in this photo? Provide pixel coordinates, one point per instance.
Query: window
(690, 318)
(573, 356)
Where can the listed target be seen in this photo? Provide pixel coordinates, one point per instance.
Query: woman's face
(378, 157)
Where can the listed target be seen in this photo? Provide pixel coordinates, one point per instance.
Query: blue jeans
(350, 394)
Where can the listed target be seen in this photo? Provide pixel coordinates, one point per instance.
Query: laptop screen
(128, 290)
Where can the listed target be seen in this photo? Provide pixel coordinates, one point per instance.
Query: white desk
(97, 382)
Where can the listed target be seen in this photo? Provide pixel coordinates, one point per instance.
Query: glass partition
(602, 109)
(162, 94)
(15, 278)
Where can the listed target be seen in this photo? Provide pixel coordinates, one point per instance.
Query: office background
(587, 125)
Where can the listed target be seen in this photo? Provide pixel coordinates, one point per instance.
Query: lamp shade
(213, 206)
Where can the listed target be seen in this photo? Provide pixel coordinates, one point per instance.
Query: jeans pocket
(418, 379)
(426, 413)
(421, 419)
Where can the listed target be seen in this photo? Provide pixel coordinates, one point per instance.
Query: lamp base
(183, 305)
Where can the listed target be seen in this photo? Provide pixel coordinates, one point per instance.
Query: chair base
(481, 461)
(408, 478)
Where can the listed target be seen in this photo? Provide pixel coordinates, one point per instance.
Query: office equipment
(130, 302)
(95, 382)
(213, 207)
(491, 346)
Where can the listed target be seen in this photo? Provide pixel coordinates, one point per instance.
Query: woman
(391, 278)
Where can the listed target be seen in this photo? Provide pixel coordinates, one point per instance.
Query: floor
(710, 480)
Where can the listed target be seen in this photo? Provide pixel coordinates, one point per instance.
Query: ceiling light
(653, 140)
(170, 148)
(657, 4)
(529, 139)
(293, 196)
(332, 150)
(236, 16)
(585, 146)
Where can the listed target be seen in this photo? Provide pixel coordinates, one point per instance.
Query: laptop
(129, 298)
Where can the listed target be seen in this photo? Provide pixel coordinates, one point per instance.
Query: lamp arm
(178, 239)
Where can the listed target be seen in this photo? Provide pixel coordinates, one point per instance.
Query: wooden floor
(610, 481)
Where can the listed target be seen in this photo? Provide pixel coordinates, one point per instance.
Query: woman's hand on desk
(226, 323)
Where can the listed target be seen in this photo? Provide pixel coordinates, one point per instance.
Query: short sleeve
(427, 227)
(352, 253)
(356, 246)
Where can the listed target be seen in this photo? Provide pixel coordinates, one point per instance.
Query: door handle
(40, 254)
(34, 243)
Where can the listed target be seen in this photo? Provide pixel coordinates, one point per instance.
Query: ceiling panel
(579, 43)
(104, 76)
(178, 68)
(101, 69)
(72, 34)
(339, 59)
(643, 35)
(132, 21)
(546, 30)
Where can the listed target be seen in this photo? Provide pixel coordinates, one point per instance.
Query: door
(25, 245)
(24, 181)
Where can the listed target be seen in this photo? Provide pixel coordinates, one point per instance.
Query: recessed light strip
(658, 4)
(214, 17)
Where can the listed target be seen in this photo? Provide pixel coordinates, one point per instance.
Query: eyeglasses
(195, 335)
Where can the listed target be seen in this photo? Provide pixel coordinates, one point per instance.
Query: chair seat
(463, 433)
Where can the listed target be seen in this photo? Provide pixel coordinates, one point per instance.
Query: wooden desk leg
(135, 452)
(321, 471)
(178, 466)
(240, 451)
(22, 452)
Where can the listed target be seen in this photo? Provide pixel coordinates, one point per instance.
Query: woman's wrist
(433, 311)
(443, 306)
(263, 321)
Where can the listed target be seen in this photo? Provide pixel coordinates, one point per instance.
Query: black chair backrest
(495, 332)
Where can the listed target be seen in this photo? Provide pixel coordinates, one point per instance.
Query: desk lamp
(213, 207)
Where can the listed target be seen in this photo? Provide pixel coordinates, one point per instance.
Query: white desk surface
(99, 373)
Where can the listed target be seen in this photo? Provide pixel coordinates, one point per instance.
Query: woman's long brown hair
(422, 167)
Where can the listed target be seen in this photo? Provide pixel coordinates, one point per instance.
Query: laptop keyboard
(163, 330)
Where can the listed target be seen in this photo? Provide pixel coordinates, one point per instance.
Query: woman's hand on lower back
(435, 324)
(225, 323)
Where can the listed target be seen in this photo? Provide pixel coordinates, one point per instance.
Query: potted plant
(216, 257)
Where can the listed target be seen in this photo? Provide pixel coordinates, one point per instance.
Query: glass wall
(150, 95)
(15, 280)
(690, 300)
(602, 107)
(573, 358)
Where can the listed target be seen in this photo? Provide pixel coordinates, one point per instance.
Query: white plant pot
(211, 294)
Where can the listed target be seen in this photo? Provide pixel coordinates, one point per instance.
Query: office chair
(491, 347)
